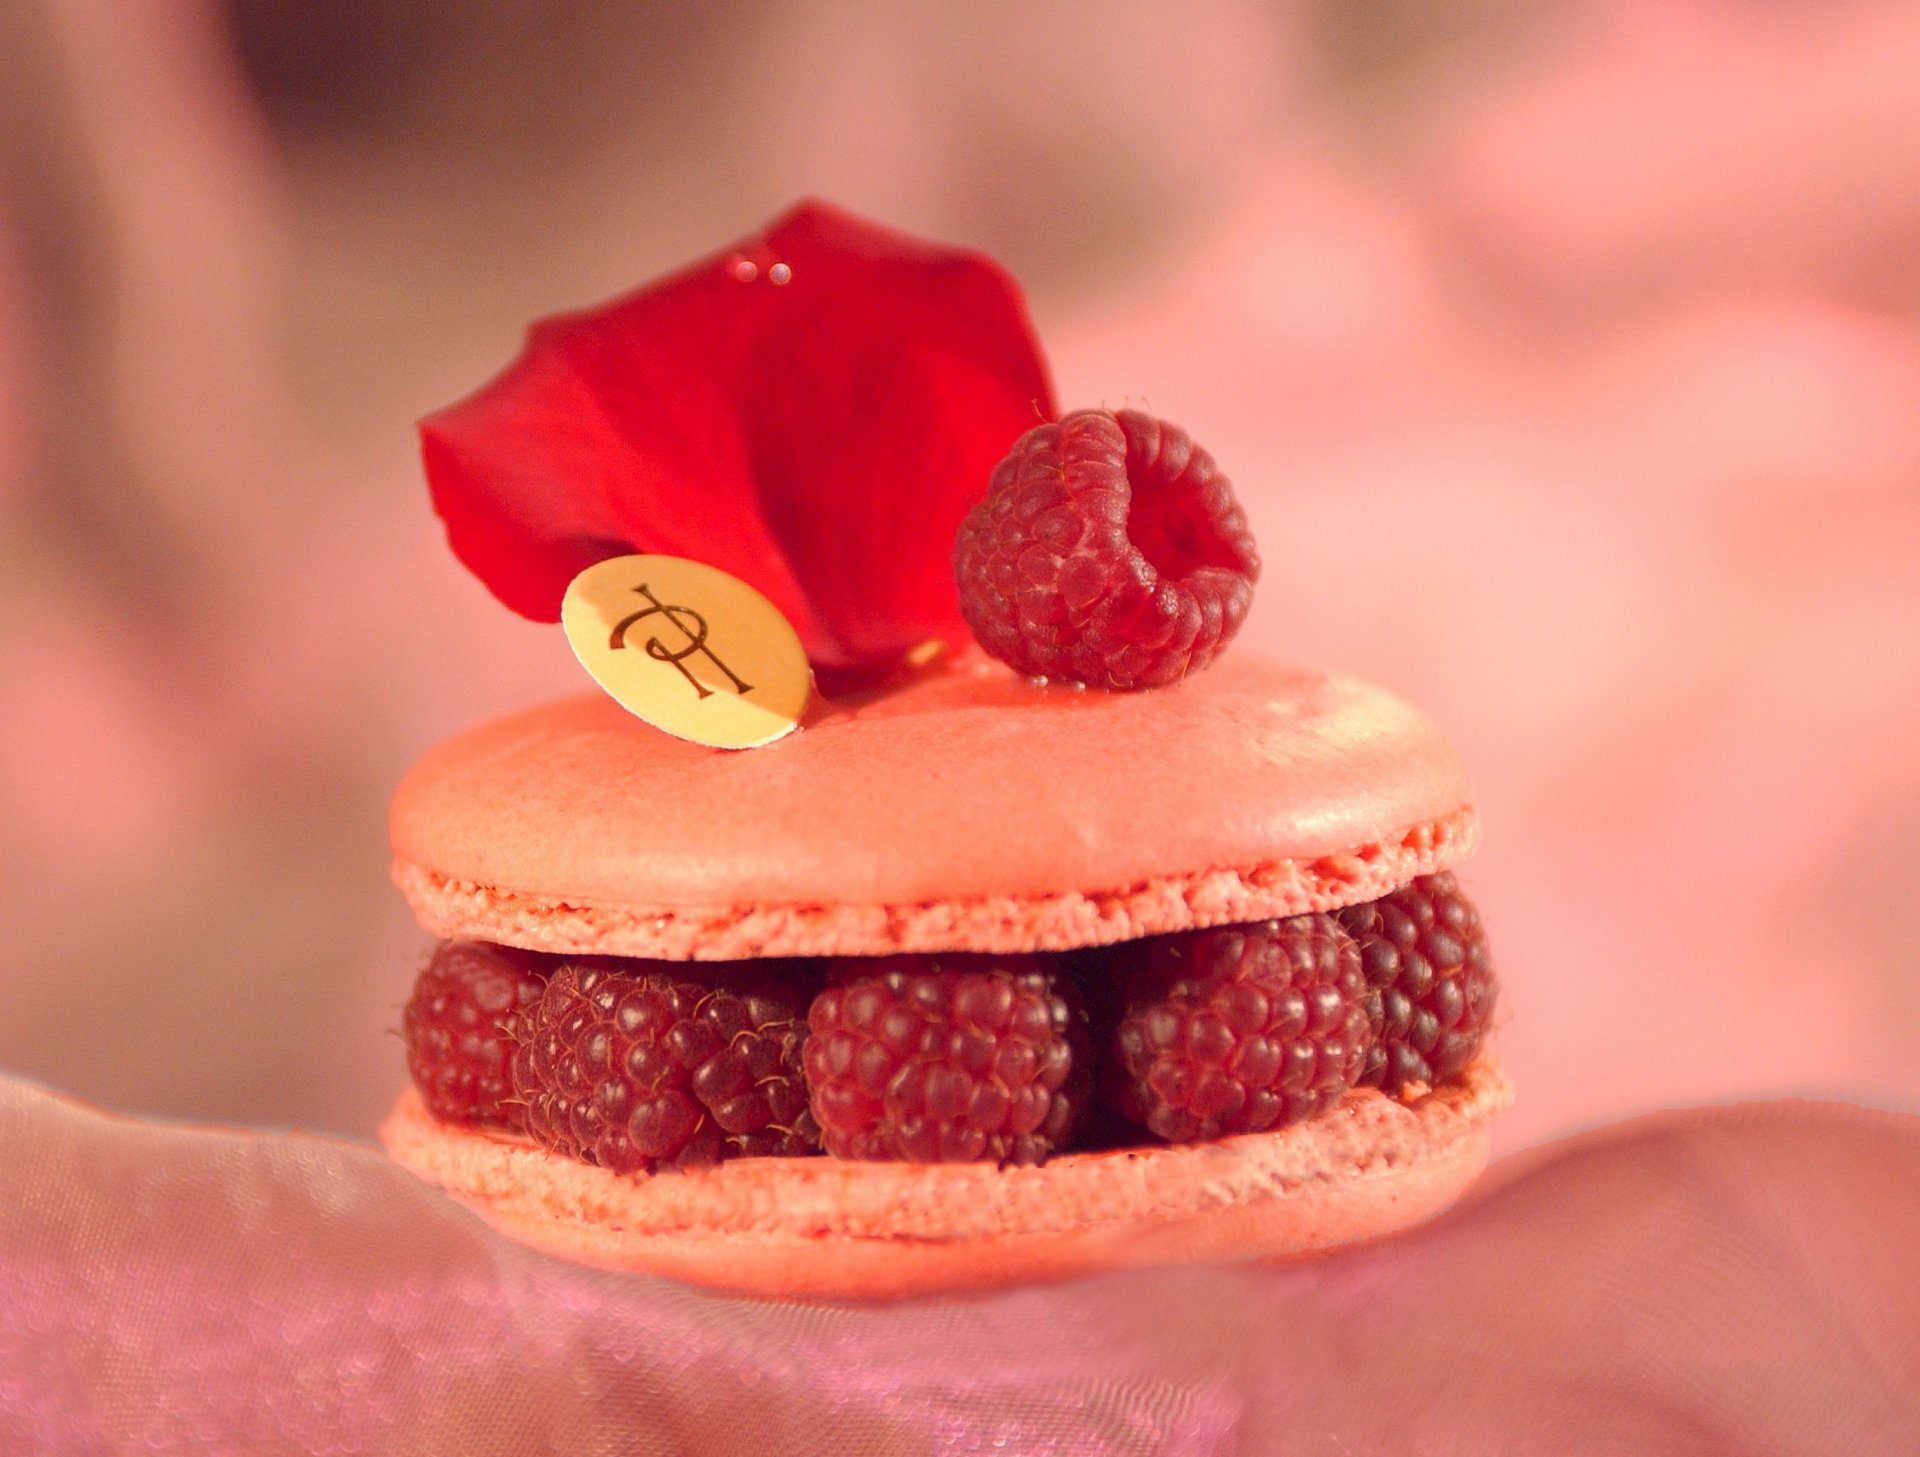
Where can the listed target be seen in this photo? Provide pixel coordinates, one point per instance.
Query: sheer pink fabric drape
(1741, 1281)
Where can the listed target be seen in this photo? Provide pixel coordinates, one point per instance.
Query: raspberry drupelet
(1430, 982)
(1109, 551)
(947, 1058)
(1237, 1029)
(643, 1066)
(458, 1033)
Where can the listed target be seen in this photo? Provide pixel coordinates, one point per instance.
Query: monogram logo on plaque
(691, 624)
(651, 628)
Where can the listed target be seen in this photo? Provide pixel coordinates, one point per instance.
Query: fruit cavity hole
(1170, 519)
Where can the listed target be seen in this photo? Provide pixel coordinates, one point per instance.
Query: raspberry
(1238, 1028)
(946, 1059)
(635, 1064)
(457, 1030)
(1431, 987)
(1109, 551)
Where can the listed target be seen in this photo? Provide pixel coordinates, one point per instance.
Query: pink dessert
(971, 979)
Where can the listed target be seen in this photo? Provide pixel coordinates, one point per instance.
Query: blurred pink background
(1567, 358)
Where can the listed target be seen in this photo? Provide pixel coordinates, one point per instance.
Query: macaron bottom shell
(821, 1228)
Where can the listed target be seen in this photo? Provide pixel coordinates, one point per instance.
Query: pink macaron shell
(968, 809)
(823, 1228)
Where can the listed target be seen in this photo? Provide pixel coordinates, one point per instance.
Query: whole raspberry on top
(1237, 1029)
(634, 1064)
(1109, 551)
(946, 1058)
(458, 1034)
(1431, 987)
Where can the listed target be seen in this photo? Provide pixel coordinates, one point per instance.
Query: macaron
(968, 810)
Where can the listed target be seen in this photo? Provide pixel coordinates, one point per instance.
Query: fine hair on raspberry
(1109, 551)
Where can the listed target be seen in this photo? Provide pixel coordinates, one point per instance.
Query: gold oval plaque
(689, 648)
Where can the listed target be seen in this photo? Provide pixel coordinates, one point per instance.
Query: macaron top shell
(968, 809)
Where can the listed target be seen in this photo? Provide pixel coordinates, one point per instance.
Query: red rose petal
(813, 410)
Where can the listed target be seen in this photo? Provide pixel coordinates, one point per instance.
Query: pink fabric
(1693, 1283)
(1601, 451)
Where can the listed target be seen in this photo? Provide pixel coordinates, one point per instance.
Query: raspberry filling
(457, 1025)
(635, 1064)
(1238, 1029)
(642, 1065)
(942, 1059)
